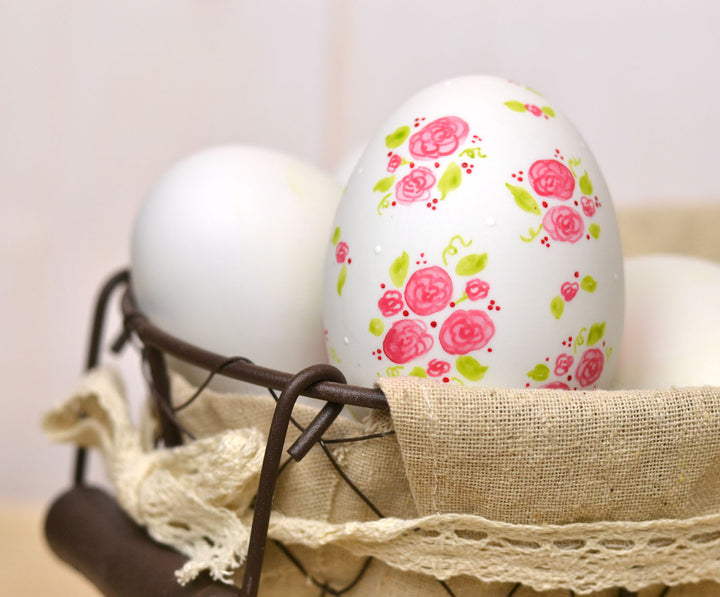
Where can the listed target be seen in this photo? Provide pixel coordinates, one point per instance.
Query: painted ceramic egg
(476, 243)
(227, 253)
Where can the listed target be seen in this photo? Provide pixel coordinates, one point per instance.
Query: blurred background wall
(99, 97)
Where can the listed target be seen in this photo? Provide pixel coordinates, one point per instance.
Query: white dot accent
(378, 249)
(346, 340)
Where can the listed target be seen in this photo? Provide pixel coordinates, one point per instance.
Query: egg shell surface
(227, 254)
(672, 323)
(476, 242)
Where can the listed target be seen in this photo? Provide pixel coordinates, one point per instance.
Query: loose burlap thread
(481, 487)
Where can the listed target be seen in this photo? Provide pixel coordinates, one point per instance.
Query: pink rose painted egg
(476, 243)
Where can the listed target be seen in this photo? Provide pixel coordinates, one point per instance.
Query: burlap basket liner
(482, 487)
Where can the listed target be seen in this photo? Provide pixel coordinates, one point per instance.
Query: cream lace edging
(204, 490)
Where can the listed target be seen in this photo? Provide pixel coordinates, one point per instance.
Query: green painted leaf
(336, 236)
(450, 180)
(540, 373)
(397, 138)
(341, 279)
(588, 284)
(471, 264)
(516, 106)
(377, 327)
(557, 306)
(470, 368)
(597, 331)
(594, 230)
(384, 184)
(418, 372)
(548, 111)
(524, 199)
(399, 269)
(585, 184)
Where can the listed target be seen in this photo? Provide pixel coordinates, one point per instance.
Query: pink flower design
(550, 178)
(588, 206)
(428, 290)
(563, 223)
(477, 289)
(395, 161)
(437, 368)
(406, 340)
(534, 110)
(556, 385)
(341, 252)
(563, 364)
(391, 303)
(415, 186)
(438, 138)
(590, 367)
(569, 290)
(465, 331)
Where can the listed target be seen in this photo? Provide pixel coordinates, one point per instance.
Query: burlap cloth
(482, 488)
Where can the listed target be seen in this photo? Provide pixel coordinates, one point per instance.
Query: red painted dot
(547, 359)
(544, 203)
(489, 349)
(569, 377)
(464, 164)
(520, 172)
(452, 303)
(446, 379)
(429, 204)
(389, 153)
(437, 164)
(406, 313)
(435, 200)
(422, 254)
(394, 203)
(575, 202)
(416, 124)
(468, 171)
(577, 274)
(433, 324)
(519, 178)
(349, 260)
(417, 263)
(412, 164)
(382, 285)
(490, 307)
(527, 385)
(587, 236)
(564, 343)
(514, 175)
(497, 307)
(379, 358)
(492, 302)
(434, 208)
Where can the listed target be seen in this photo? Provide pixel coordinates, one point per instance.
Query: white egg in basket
(476, 243)
(227, 254)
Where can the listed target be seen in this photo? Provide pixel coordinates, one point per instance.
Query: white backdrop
(99, 97)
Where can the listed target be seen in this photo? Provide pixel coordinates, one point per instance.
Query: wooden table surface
(27, 566)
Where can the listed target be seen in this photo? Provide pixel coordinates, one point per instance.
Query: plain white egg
(227, 253)
(672, 323)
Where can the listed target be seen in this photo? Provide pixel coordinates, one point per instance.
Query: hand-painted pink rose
(465, 331)
(588, 206)
(391, 303)
(563, 223)
(406, 340)
(556, 385)
(438, 138)
(341, 252)
(569, 290)
(477, 289)
(533, 109)
(436, 368)
(428, 290)
(394, 162)
(415, 186)
(551, 178)
(563, 364)
(590, 367)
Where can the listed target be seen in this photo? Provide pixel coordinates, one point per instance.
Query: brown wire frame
(83, 524)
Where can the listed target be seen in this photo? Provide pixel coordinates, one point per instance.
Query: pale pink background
(98, 97)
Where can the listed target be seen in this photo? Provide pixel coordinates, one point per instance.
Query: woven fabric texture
(480, 488)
